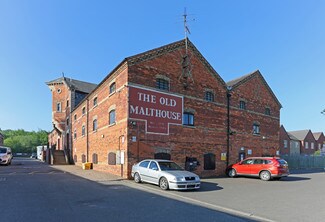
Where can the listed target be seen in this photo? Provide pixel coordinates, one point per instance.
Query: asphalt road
(34, 191)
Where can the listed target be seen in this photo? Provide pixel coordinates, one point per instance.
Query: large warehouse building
(165, 103)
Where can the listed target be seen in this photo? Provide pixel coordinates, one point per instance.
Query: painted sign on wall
(156, 108)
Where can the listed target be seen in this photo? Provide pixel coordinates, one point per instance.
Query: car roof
(266, 158)
(160, 160)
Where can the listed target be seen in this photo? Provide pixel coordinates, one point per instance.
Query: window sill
(111, 94)
(113, 124)
(189, 126)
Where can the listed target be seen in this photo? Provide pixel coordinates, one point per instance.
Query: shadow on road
(294, 178)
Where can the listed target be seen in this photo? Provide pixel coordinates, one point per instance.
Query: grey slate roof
(300, 134)
(317, 135)
(77, 85)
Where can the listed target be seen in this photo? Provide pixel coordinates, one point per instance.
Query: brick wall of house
(320, 141)
(209, 131)
(107, 138)
(284, 136)
(309, 139)
(257, 97)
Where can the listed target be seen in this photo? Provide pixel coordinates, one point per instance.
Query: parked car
(34, 155)
(166, 174)
(265, 168)
(5, 155)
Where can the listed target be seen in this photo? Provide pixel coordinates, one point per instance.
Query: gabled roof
(233, 84)
(169, 48)
(300, 134)
(317, 135)
(74, 84)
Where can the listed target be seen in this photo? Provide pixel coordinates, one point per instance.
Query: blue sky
(284, 39)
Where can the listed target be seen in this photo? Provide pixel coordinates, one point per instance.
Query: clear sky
(40, 39)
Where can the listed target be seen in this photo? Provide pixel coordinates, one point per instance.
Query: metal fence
(304, 162)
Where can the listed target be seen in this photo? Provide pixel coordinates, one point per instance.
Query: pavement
(92, 175)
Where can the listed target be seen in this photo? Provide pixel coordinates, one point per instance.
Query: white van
(5, 155)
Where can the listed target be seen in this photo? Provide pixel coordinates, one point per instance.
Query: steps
(59, 157)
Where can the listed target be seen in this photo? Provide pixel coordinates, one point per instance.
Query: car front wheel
(265, 175)
(163, 183)
(232, 173)
(137, 178)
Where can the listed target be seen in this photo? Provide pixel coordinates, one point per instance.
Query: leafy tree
(22, 141)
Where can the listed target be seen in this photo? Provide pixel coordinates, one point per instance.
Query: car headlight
(180, 179)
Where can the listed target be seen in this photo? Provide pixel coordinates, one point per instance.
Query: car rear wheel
(265, 175)
(137, 178)
(163, 183)
(232, 173)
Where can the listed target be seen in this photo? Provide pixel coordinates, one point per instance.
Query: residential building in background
(308, 143)
(289, 144)
(166, 103)
(320, 140)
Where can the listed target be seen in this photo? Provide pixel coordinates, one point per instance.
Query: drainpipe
(228, 125)
(87, 138)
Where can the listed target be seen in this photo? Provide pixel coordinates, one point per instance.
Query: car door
(143, 170)
(257, 166)
(245, 167)
(153, 172)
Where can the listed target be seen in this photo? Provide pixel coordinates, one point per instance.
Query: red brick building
(320, 140)
(289, 144)
(170, 103)
(308, 143)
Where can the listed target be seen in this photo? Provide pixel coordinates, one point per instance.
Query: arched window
(95, 125)
(267, 111)
(95, 101)
(83, 130)
(162, 84)
(112, 88)
(209, 96)
(112, 116)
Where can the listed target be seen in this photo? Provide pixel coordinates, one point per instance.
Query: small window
(58, 107)
(247, 162)
(258, 161)
(162, 84)
(112, 117)
(83, 110)
(153, 166)
(67, 103)
(75, 117)
(209, 161)
(306, 145)
(95, 125)
(95, 101)
(112, 88)
(242, 105)
(75, 134)
(188, 119)
(68, 121)
(256, 128)
(83, 130)
(285, 143)
(312, 145)
(144, 164)
(209, 96)
(267, 111)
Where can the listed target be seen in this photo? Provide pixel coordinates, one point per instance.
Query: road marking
(200, 203)
(3, 179)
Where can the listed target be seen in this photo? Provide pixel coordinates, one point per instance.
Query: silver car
(166, 174)
(5, 155)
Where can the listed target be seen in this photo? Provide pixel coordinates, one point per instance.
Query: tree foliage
(22, 141)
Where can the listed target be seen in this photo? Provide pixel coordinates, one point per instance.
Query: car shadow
(292, 178)
(205, 187)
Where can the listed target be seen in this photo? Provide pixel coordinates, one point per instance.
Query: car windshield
(166, 166)
(3, 150)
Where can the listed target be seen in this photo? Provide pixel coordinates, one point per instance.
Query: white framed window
(83, 130)
(319, 146)
(112, 88)
(306, 145)
(312, 145)
(285, 143)
(112, 117)
(256, 128)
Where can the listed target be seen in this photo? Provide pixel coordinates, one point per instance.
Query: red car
(265, 168)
